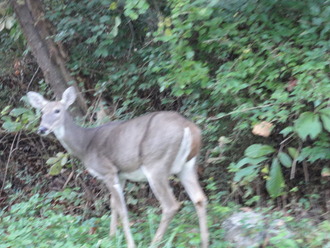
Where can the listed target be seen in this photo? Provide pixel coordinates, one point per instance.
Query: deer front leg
(119, 206)
(114, 213)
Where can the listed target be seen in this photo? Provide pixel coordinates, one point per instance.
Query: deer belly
(94, 173)
(135, 176)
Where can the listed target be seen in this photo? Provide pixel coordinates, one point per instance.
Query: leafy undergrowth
(40, 222)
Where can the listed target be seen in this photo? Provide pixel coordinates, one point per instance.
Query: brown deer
(148, 148)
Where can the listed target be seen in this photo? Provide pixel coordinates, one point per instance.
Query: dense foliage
(44, 220)
(258, 60)
(228, 65)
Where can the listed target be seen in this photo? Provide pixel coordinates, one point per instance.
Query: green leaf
(286, 131)
(5, 110)
(18, 111)
(104, 18)
(131, 13)
(285, 159)
(325, 111)
(168, 32)
(114, 31)
(55, 169)
(325, 117)
(308, 124)
(325, 172)
(52, 160)
(275, 183)
(113, 6)
(258, 150)
(101, 52)
(247, 160)
(293, 152)
(64, 160)
(190, 54)
(314, 153)
(11, 126)
(245, 172)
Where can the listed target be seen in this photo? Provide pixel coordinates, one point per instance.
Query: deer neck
(73, 138)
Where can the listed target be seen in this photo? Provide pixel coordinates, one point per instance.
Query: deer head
(53, 112)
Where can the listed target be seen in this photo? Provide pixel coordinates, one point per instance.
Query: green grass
(41, 222)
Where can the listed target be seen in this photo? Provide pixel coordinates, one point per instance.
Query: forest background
(253, 74)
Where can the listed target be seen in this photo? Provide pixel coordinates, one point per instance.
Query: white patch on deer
(94, 173)
(119, 190)
(184, 150)
(135, 176)
(59, 133)
(189, 166)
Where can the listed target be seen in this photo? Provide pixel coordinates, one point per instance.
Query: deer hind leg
(119, 206)
(189, 179)
(162, 190)
(114, 217)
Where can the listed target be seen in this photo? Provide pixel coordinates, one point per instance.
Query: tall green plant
(262, 61)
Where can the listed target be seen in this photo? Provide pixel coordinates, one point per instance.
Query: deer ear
(69, 96)
(36, 100)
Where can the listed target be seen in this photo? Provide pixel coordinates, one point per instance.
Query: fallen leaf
(263, 129)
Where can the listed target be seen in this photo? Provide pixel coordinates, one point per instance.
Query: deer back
(147, 138)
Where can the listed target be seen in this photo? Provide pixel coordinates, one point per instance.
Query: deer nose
(42, 130)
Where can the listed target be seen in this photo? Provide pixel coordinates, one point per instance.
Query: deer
(151, 148)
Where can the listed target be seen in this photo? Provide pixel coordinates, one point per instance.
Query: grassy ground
(41, 222)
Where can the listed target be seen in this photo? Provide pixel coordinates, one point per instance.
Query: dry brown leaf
(263, 129)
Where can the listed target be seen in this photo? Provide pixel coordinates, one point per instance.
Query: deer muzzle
(43, 130)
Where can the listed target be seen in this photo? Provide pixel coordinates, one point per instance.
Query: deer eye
(56, 111)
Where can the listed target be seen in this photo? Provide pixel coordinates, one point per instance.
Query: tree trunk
(49, 55)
